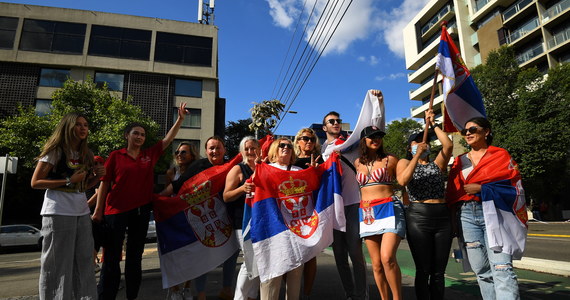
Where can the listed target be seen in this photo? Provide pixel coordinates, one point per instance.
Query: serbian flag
(502, 196)
(291, 217)
(194, 232)
(461, 97)
(371, 114)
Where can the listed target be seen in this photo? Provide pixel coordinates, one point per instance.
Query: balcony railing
(523, 30)
(479, 4)
(511, 11)
(435, 20)
(530, 54)
(559, 38)
(555, 10)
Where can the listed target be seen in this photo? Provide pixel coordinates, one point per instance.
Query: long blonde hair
(316, 149)
(272, 153)
(63, 137)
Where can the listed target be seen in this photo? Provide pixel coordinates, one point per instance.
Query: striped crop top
(378, 176)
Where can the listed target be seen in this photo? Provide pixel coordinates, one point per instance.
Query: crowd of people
(429, 215)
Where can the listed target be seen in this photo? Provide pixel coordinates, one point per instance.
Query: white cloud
(371, 60)
(355, 25)
(392, 76)
(364, 18)
(391, 23)
(283, 12)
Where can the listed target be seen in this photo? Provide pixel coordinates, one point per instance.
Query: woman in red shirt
(124, 198)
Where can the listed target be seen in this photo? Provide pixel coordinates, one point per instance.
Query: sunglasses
(375, 136)
(285, 145)
(306, 139)
(472, 130)
(333, 121)
(183, 152)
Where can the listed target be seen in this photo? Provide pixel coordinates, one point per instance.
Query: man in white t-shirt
(347, 243)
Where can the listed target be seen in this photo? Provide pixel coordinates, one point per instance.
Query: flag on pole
(194, 232)
(461, 97)
(291, 217)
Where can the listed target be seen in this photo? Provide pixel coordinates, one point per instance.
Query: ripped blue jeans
(494, 270)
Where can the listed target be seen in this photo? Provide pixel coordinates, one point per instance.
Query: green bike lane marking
(533, 285)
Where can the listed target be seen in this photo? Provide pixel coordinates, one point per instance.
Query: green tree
(529, 113)
(24, 134)
(237, 130)
(397, 133)
(264, 115)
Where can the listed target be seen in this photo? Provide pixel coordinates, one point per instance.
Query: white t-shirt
(59, 202)
(293, 168)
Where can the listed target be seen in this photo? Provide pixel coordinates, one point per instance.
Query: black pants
(429, 238)
(135, 223)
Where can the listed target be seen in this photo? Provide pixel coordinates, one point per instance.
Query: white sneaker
(187, 294)
(174, 295)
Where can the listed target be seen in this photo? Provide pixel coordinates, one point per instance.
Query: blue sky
(366, 52)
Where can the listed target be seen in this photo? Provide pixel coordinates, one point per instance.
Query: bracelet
(67, 181)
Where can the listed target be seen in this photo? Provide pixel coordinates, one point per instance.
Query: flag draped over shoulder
(291, 217)
(371, 114)
(461, 97)
(502, 197)
(194, 231)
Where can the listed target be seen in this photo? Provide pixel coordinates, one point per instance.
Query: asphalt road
(19, 271)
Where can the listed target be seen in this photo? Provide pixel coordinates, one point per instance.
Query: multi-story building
(537, 30)
(159, 63)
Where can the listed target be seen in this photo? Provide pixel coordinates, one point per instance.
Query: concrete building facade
(159, 63)
(538, 31)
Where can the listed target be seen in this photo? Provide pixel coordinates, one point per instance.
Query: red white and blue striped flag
(461, 97)
(194, 232)
(291, 217)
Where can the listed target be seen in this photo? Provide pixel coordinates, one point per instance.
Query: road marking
(549, 235)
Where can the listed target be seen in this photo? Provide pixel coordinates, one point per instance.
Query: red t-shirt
(132, 179)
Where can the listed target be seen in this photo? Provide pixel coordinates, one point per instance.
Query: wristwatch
(67, 181)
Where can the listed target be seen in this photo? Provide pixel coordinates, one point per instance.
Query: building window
(8, 28)
(114, 81)
(53, 77)
(188, 88)
(50, 36)
(120, 42)
(43, 107)
(192, 120)
(183, 49)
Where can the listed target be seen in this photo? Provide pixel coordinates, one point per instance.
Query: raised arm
(405, 168)
(444, 155)
(169, 137)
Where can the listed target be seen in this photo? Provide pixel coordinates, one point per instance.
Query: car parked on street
(20, 235)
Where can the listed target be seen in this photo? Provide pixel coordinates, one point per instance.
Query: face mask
(415, 149)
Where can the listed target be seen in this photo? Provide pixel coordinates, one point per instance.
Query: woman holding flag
(382, 221)
(427, 217)
(238, 185)
(484, 183)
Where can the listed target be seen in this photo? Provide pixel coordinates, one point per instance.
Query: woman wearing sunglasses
(427, 217)
(382, 221)
(282, 156)
(473, 172)
(184, 155)
(308, 150)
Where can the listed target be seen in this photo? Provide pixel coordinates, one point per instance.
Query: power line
(321, 51)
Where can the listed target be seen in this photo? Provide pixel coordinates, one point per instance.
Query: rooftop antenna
(206, 11)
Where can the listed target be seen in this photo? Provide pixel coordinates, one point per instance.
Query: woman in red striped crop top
(382, 221)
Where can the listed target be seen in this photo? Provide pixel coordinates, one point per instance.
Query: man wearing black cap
(347, 243)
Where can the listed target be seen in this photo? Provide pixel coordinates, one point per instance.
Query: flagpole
(434, 85)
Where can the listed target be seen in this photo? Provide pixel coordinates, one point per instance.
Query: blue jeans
(494, 270)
